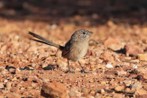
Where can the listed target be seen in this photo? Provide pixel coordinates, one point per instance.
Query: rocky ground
(116, 59)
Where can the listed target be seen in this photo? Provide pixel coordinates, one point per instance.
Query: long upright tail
(45, 41)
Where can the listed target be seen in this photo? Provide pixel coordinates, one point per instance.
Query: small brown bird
(75, 49)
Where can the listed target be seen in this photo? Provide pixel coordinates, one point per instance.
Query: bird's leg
(82, 68)
(69, 69)
(68, 65)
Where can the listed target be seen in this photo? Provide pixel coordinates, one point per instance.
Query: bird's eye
(84, 33)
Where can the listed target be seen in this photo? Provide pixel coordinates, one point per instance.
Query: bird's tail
(45, 41)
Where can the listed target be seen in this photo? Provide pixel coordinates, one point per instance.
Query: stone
(121, 72)
(119, 88)
(127, 82)
(109, 65)
(74, 93)
(107, 57)
(130, 91)
(142, 57)
(141, 96)
(141, 92)
(137, 85)
(118, 96)
(133, 50)
(54, 90)
(11, 69)
(62, 65)
(113, 43)
(1, 85)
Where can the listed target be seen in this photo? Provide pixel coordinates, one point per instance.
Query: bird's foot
(84, 71)
(69, 71)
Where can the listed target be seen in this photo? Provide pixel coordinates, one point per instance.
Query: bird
(74, 49)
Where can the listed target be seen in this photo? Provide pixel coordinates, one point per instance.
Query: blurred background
(97, 11)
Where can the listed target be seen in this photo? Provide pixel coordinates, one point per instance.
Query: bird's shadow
(120, 51)
(50, 67)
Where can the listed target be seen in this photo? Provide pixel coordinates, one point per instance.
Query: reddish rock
(133, 50)
(12, 95)
(54, 90)
(141, 96)
(119, 88)
(107, 57)
(1, 85)
(142, 57)
(113, 43)
(141, 92)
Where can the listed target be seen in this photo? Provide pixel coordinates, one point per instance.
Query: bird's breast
(76, 51)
